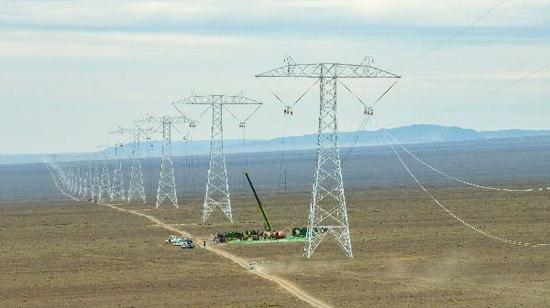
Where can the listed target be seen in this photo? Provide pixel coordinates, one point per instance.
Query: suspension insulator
(369, 111)
(288, 110)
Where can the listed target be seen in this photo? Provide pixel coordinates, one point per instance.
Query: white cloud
(167, 14)
(100, 64)
(111, 45)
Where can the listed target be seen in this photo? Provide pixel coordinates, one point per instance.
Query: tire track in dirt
(283, 283)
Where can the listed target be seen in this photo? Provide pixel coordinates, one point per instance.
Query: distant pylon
(95, 181)
(136, 177)
(74, 175)
(217, 189)
(167, 181)
(85, 182)
(79, 186)
(136, 188)
(117, 190)
(89, 180)
(104, 184)
(71, 181)
(75, 180)
(328, 210)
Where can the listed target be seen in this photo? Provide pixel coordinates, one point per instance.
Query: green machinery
(268, 235)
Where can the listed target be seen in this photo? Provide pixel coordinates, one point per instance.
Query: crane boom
(267, 222)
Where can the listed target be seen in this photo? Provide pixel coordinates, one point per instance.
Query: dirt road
(285, 284)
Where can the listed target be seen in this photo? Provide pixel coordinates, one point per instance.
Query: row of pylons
(327, 210)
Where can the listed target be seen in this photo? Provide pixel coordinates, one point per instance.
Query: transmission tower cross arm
(147, 119)
(180, 119)
(123, 131)
(145, 131)
(213, 99)
(328, 70)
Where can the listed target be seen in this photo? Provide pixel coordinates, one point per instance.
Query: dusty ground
(73, 255)
(406, 253)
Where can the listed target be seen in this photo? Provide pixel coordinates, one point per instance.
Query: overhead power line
(453, 37)
(458, 218)
(476, 99)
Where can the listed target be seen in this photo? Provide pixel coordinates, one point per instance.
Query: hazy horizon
(73, 71)
(411, 134)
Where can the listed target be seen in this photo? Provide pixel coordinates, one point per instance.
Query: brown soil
(407, 252)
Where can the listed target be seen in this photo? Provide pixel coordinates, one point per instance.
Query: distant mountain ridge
(418, 133)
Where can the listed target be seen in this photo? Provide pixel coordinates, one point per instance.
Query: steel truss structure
(86, 180)
(95, 181)
(167, 182)
(217, 189)
(104, 195)
(136, 189)
(117, 190)
(328, 213)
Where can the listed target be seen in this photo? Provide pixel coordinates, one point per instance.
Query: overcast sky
(71, 71)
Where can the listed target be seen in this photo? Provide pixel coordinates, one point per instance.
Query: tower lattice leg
(117, 191)
(95, 184)
(328, 211)
(104, 186)
(167, 181)
(136, 188)
(217, 189)
(88, 179)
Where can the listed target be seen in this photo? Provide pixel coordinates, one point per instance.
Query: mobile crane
(268, 226)
(266, 235)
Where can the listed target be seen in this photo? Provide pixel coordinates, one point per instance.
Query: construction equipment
(261, 236)
(182, 242)
(264, 215)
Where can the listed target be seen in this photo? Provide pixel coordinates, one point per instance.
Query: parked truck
(183, 242)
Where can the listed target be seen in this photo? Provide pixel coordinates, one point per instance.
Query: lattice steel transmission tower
(117, 190)
(87, 191)
(136, 189)
(328, 210)
(217, 188)
(104, 194)
(95, 180)
(167, 181)
(78, 180)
